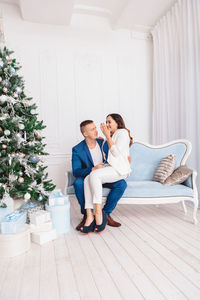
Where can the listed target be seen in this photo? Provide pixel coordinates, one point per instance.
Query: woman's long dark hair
(120, 124)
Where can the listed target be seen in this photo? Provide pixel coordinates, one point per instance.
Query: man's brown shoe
(111, 222)
(79, 226)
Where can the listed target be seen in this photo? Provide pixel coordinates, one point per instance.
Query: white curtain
(176, 78)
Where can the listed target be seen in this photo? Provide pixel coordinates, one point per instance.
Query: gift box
(43, 237)
(15, 244)
(39, 217)
(42, 227)
(57, 198)
(13, 222)
(31, 207)
(60, 216)
(3, 212)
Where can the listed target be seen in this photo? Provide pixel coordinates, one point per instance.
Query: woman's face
(111, 124)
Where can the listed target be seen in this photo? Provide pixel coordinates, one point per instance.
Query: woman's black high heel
(100, 228)
(88, 229)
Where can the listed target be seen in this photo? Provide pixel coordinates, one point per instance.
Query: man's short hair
(84, 123)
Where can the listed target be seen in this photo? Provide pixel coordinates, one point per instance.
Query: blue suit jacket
(82, 162)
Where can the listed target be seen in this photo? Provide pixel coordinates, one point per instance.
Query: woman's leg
(96, 179)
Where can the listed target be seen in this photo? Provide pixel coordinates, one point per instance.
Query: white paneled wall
(83, 71)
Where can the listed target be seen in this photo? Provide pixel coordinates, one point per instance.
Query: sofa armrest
(70, 178)
(190, 181)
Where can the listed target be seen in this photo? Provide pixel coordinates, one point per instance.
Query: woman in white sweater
(118, 167)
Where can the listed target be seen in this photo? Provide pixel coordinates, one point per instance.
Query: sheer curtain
(176, 78)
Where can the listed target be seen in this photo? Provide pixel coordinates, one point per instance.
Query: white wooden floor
(155, 254)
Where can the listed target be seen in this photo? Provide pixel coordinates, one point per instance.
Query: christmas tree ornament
(5, 90)
(12, 177)
(20, 173)
(0, 79)
(12, 71)
(6, 83)
(13, 154)
(1, 63)
(7, 132)
(33, 159)
(33, 111)
(21, 154)
(15, 95)
(4, 146)
(27, 196)
(20, 179)
(18, 90)
(21, 126)
(3, 98)
(10, 159)
(40, 198)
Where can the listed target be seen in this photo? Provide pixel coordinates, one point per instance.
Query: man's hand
(99, 166)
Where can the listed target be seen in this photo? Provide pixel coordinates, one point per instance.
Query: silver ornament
(6, 83)
(7, 132)
(21, 126)
(33, 159)
(12, 71)
(27, 196)
(18, 90)
(40, 198)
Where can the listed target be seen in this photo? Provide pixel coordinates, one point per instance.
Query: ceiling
(138, 15)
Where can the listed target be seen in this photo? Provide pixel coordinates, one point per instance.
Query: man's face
(90, 131)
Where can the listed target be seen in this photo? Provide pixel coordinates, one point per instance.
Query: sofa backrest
(145, 158)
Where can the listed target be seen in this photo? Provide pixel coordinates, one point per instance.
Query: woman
(118, 167)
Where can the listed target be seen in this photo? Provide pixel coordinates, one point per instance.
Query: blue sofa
(141, 189)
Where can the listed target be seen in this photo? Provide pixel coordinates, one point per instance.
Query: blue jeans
(117, 190)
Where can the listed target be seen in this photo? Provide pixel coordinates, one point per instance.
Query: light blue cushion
(149, 189)
(145, 160)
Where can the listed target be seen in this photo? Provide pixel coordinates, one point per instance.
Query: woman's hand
(105, 130)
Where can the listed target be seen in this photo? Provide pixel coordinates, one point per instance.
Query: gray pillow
(165, 168)
(178, 176)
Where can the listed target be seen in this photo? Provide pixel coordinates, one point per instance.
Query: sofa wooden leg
(184, 207)
(195, 211)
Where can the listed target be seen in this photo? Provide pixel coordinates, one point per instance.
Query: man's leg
(117, 190)
(79, 192)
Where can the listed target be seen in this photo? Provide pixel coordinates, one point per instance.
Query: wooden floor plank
(48, 274)
(67, 284)
(189, 289)
(31, 276)
(12, 282)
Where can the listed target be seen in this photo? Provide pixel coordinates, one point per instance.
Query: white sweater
(119, 152)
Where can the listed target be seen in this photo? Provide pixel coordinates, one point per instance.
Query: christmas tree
(22, 170)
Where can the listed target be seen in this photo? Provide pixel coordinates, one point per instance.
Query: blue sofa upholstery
(141, 189)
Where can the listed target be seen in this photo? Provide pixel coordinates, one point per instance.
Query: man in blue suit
(89, 155)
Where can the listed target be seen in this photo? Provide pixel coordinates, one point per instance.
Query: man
(87, 156)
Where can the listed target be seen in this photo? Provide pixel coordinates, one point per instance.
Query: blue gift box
(13, 222)
(60, 215)
(3, 213)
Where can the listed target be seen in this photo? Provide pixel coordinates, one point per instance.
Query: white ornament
(33, 111)
(27, 196)
(18, 90)
(3, 98)
(5, 90)
(15, 95)
(20, 179)
(21, 126)
(7, 132)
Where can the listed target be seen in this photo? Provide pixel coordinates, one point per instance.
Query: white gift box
(43, 237)
(15, 244)
(39, 217)
(41, 227)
